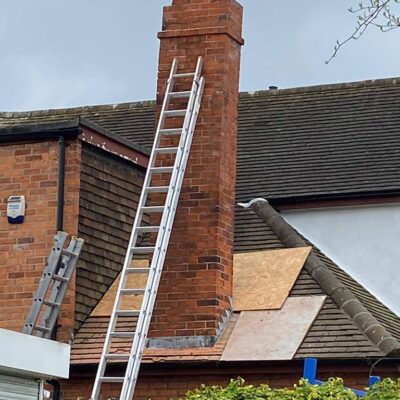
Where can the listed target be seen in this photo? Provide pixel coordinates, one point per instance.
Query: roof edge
(70, 128)
(334, 196)
(76, 110)
(111, 135)
(328, 282)
(66, 128)
(391, 81)
(324, 87)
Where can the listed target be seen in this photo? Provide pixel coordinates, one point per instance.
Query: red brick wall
(197, 280)
(170, 382)
(30, 169)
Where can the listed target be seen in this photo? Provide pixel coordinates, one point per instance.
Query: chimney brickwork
(196, 285)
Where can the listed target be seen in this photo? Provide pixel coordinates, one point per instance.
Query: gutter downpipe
(61, 183)
(60, 198)
(59, 227)
(56, 389)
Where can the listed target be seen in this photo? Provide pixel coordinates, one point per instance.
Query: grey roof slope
(322, 141)
(132, 121)
(345, 310)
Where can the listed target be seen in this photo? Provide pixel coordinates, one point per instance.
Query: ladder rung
(184, 75)
(143, 250)
(137, 336)
(153, 209)
(161, 170)
(41, 328)
(148, 228)
(175, 113)
(120, 334)
(157, 189)
(137, 270)
(128, 313)
(60, 278)
(132, 291)
(172, 131)
(179, 94)
(112, 379)
(166, 150)
(66, 252)
(118, 356)
(51, 304)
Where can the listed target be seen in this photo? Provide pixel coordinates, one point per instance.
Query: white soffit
(274, 334)
(33, 356)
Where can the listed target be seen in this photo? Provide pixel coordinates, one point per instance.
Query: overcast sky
(75, 52)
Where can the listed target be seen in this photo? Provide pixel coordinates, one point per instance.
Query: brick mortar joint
(223, 30)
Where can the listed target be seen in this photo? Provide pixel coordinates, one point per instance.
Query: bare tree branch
(377, 13)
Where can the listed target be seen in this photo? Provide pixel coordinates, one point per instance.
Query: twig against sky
(378, 13)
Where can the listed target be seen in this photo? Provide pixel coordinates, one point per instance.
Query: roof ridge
(365, 292)
(243, 94)
(329, 283)
(324, 87)
(75, 110)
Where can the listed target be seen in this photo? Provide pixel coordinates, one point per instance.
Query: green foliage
(388, 389)
(333, 389)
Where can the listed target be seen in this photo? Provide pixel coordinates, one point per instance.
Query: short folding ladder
(52, 286)
(166, 211)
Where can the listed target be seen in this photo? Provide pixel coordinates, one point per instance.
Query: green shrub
(388, 389)
(333, 389)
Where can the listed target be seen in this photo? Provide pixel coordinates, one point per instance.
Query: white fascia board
(32, 356)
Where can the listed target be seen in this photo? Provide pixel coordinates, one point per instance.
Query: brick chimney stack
(196, 285)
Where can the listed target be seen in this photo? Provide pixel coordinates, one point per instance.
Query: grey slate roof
(329, 140)
(133, 121)
(322, 142)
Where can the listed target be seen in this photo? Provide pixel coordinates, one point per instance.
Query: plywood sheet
(274, 334)
(105, 306)
(262, 280)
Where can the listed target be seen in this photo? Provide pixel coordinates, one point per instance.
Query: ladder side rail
(154, 279)
(176, 172)
(170, 195)
(57, 284)
(160, 250)
(132, 241)
(44, 283)
(135, 366)
(162, 242)
(148, 176)
(60, 288)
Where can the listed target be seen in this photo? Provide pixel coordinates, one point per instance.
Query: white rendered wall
(364, 241)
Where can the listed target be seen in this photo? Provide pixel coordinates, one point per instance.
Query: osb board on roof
(262, 280)
(133, 302)
(274, 334)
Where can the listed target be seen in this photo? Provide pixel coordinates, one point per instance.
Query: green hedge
(331, 390)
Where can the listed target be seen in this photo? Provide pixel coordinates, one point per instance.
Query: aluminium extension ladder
(184, 134)
(57, 274)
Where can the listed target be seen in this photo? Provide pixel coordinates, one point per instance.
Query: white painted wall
(364, 241)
